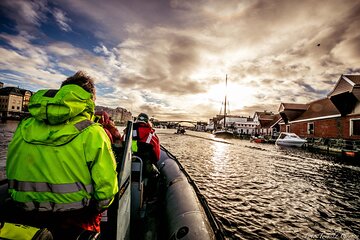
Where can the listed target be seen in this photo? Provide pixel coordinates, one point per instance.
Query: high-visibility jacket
(145, 139)
(59, 160)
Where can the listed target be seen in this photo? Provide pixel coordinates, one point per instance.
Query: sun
(238, 96)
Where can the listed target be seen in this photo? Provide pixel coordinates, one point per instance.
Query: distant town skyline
(169, 58)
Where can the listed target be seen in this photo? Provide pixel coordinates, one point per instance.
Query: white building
(245, 126)
(11, 100)
(241, 125)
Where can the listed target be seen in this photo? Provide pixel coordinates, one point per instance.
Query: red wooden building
(268, 123)
(336, 116)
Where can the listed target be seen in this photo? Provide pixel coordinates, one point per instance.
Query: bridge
(177, 122)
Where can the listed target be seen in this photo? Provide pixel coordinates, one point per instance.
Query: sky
(170, 58)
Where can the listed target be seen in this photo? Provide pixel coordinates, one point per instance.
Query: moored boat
(290, 140)
(224, 133)
(350, 149)
(178, 210)
(259, 139)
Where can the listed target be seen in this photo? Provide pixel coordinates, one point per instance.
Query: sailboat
(224, 132)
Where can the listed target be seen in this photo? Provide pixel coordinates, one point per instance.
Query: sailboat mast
(225, 102)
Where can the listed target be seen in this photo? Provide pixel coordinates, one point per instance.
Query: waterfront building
(26, 99)
(119, 115)
(335, 116)
(200, 126)
(268, 123)
(244, 126)
(318, 120)
(14, 101)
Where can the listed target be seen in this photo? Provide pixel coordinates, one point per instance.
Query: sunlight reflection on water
(218, 156)
(261, 191)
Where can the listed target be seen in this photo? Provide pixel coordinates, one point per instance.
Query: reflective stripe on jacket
(61, 167)
(144, 133)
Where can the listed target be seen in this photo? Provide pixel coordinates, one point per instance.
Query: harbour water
(261, 191)
(6, 132)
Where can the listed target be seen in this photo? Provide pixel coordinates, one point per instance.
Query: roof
(319, 108)
(264, 115)
(277, 118)
(292, 106)
(354, 78)
(271, 122)
(10, 90)
(346, 83)
(24, 91)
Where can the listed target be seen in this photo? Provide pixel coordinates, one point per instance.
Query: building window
(287, 128)
(355, 127)
(310, 128)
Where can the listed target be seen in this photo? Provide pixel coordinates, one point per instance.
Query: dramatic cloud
(169, 58)
(61, 20)
(28, 15)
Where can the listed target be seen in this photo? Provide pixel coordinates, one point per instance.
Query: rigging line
(228, 107)
(221, 108)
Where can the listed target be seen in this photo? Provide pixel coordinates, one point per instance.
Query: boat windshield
(288, 135)
(282, 136)
(293, 135)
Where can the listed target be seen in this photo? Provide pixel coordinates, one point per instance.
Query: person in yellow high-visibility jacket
(60, 166)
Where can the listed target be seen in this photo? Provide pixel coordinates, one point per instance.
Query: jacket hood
(55, 113)
(58, 106)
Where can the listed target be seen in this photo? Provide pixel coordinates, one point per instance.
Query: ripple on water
(260, 191)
